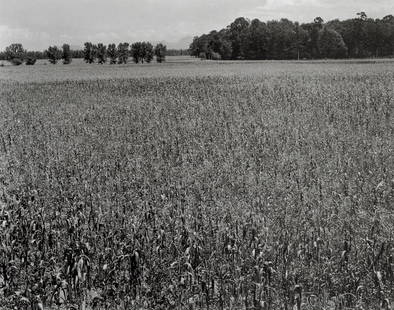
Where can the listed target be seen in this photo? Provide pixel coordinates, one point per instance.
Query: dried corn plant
(223, 192)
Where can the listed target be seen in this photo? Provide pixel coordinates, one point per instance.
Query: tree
(195, 48)
(136, 51)
(362, 15)
(236, 32)
(215, 45)
(89, 53)
(160, 52)
(148, 53)
(54, 54)
(31, 58)
(123, 53)
(199, 46)
(255, 41)
(218, 45)
(331, 44)
(301, 41)
(284, 39)
(66, 54)
(318, 20)
(314, 34)
(142, 51)
(112, 53)
(101, 53)
(15, 53)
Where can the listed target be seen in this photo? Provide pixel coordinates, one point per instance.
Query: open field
(185, 66)
(198, 185)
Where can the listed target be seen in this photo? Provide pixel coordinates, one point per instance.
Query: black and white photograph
(197, 155)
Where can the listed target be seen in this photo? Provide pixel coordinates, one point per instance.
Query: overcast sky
(40, 23)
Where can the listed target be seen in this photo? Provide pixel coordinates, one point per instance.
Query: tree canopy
(284, 39)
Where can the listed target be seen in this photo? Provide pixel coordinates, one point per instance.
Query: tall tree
(236, 31)
(160, 52)
(101, 53)
(331, 44)
(315, 32)
(255, 41)
(284, 39)
(67, 57)
(123, 53)
(218, 45)
(31, 58)
(147, 51)
(112, 53)
(301, 41)
(142, 51)
(89, 53)
(136, 51)
(54, 54)
(15, 53)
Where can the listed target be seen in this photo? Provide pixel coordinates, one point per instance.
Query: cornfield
(237, 191)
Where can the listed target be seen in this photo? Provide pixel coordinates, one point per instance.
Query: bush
(16, 61)
(202, 55)
(30, 61)
(215, 56)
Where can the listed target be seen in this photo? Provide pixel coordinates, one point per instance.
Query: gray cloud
(39, 23)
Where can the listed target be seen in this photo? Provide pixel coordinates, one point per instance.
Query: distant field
(198, 185)
(186, 66)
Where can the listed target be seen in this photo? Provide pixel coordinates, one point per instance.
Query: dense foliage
(15, 53)
(123, 53)
(257, 192)
(142, 51)
(178, 52)
(54, 54)
(284, 39)
(112, 53)
(160, 52)
(66, 54)
(101, 53)
(89, 52)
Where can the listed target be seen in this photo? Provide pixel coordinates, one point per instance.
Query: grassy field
(197, 185)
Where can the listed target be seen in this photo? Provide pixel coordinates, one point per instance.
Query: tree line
(359, 37)
(115, 54)
(140, 52)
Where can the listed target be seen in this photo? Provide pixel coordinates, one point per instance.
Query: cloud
(40, 23)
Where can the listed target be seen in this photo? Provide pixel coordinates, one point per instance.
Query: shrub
(30, 61)
(202, 55)
(16, 61)
(215, 56)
